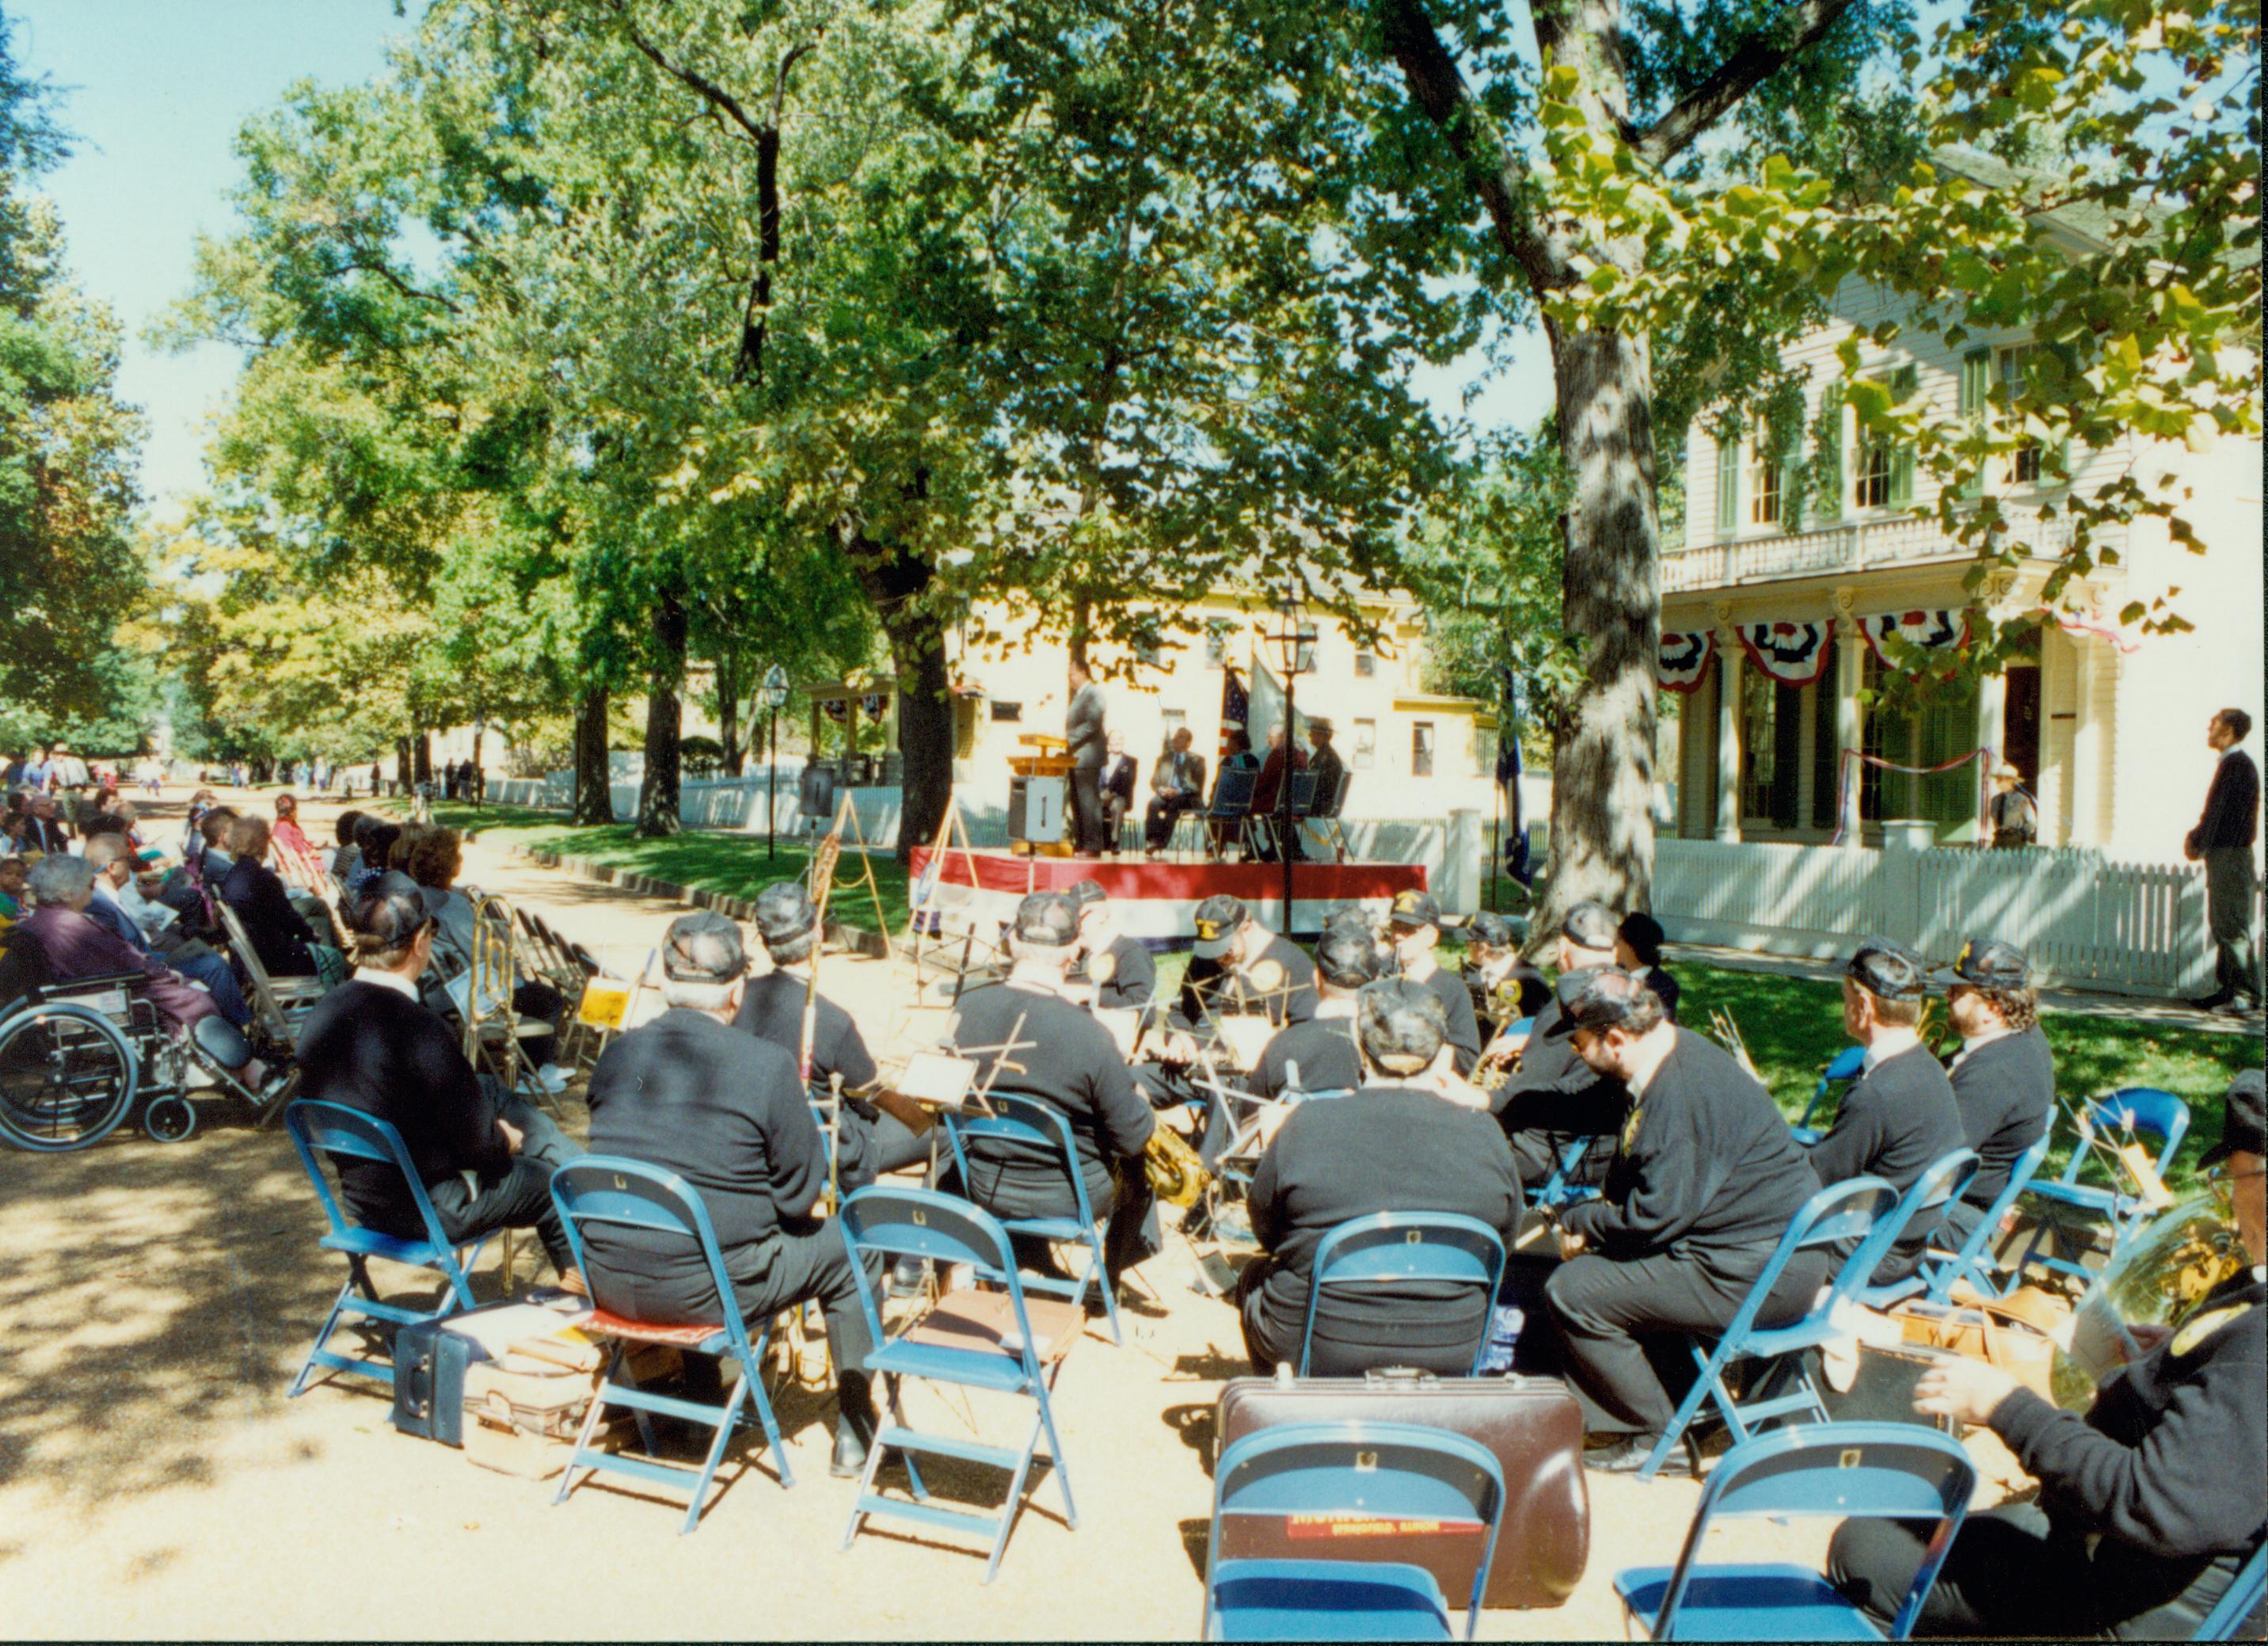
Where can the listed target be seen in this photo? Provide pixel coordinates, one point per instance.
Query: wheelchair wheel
(67, 1078)
(169, 1119)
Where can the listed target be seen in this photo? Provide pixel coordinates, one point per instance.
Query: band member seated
(881, 1130)
(1239, 968)
(1391, 1147)
(1414, 924)
(1552, 1097)
(485, 1157)
(1706, 1181)
(1637, 950)
(2004, 1078)
(725, 1111)
(1028, 1040)
(1900, 1117)
(2148, 1505)
(1115, 967)
(1505, 988)
(1321, 1054)
(1177, 783)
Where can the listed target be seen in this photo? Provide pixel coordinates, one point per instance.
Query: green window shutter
(1975, 400)
(1728, 482)
(1905, 383)
(1787, 440)
(1827, 482)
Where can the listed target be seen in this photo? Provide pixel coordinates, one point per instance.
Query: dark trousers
(1958, 1222)
(2229, 896)
(1158, 820)
(1621, 1324)
(1270, 1340)
(539, 999)
(1124, 1204)
(1086, 809)
(521, 1198)
(2010, 1572)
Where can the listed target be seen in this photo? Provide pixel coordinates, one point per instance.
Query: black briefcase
(1530, 1425)
(428, 1381)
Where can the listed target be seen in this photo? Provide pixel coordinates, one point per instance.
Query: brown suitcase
(1531, 1425)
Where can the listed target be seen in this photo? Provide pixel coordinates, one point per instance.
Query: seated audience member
(43, 830)
(1552, 1097)
(343, 858)
(76, 947)
(286, 947)
(2148, 1505)
(1029, 1041)
(1637, 950)
(1415, 923)
(1706, 1181)
(114, 884)
(294, 853)
(432, 855)
(1115, 967)
(1323, 1050)
(726, 1112)
(1504, 987)
(1899, 1117)
(881, 1131)
(1176, 784)
(2004, 1078)
(1239, 968)
(374, 839)
(11, 891)
(1389, 1147)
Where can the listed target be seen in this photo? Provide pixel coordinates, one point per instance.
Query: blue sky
(156, 91)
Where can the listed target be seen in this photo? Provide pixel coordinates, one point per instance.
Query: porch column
(1850, 725)
(1728, 735)
(2083, 806)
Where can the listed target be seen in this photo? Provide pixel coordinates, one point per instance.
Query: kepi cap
(1345, 957)
(1597, 998)
(1887, 971)
(391, 911)
(2240, 1120)
(1046, 919)
(785, 911)
(1218, 919)
(1991, 963)
(1086, 894)
(702, 946)
(1591, 926)
(1491, 930)
(1414, 909)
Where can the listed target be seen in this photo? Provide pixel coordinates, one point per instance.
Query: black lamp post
(1295, 652)
(775, 700)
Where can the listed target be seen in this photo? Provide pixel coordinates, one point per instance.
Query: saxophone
(1175, 1173)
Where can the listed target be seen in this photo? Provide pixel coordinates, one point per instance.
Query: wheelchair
(78, 1058)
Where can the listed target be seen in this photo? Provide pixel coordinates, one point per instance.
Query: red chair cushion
(614, 1326)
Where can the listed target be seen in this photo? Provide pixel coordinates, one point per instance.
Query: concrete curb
(865, 942)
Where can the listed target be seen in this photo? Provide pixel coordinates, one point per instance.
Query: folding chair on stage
(1230, 815)
(1829, 1471)
(996, 1340)
(1032, 1124)
(1972, 1263)
(1389, 1249)
(1367, 1471)
(2144, 1111)
(630, 1194)
(335, 1129)
(1323, 817)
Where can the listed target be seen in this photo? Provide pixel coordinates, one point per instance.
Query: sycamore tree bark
(594, 800)
(895, 582)
(657, 794)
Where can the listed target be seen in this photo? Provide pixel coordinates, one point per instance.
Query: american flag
(1235, 709)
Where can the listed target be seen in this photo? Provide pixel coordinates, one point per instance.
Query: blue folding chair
(1943, 1181)
(1387, 1250)
(1368, 1470)
(1861, 1209)
(630, 1194)
(1555, 1191)
(1229, 816)
(1972, 1263)
(1842, 1070)
(2144, 1111)
(1842, 1471)
(335, 1129)
(997, 1341)
(2238, 1602)
(1031, 1124)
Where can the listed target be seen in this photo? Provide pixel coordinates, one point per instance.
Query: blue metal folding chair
(1388, 1250)
(997, 1341)
(1972, 1263)
(1229, 816)
(1367, 1471)
(630, 1194)
(1555, 1191)
(1861, 1209)
(335, 1129)
(1028, 1123)
(1842, 1070)
(1842, 1471)
(2143, 1110)
(2238, 1602)
(1943, 1181)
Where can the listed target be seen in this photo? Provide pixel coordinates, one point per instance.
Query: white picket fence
(2129, 928)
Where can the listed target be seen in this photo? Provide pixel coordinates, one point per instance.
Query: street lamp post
(775, 700)
(479, 730)
(1295, 644)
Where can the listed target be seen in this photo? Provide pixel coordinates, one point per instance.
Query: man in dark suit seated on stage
(1390, 1147)
(725, 1111)
(1176, 784)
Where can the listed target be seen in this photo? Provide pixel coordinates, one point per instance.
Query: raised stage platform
(1157, 902)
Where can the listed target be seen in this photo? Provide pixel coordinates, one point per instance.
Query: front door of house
(2019, 732)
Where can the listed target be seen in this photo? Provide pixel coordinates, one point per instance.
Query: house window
(1366, 745)
(1148, 652)
(1007, 712)
(1421, 750)
(1928, 735)
(1215, 644)
(1763, 484)
(1884, 476)
(1759, 709)
(1169, 721)
(2024, 461)
(1874, 473)
(1365, 664)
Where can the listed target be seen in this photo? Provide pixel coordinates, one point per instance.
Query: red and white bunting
(2093, 624)
(1683, 662)
(1793, 653)
(1934, 630)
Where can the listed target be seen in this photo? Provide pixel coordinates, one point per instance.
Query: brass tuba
(1175, 1173)
(2159, 1274)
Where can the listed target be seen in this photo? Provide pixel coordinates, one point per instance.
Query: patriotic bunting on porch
(1934, 631)
(1793, 653)
(873, 703)
(1683, 663)
(835, 709)
(2093, 624)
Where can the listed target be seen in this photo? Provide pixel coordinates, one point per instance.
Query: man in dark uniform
(1390, 1147)
(1706, 1181)
(1241, 969)
(2004, 1079)
(881, 1131)
(1323, 1050)
(2148, 1505)
(1115, 966)
(1414, 922)
(1899, 1117)
(1085, 735)
(726, 1112)
(1553, 1097)
(1505, 988)
(2222, 841)
(1028, 1040)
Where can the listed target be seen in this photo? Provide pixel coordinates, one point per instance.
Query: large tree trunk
(422, 752)
(594, 800)
(402, 765)
(658, 794)
(728, 710)
(894, 582)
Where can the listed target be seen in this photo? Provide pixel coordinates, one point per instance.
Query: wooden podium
(1050, 757)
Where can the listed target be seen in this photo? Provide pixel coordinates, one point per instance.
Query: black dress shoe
(2214, 1001)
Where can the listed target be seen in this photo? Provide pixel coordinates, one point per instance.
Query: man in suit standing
(1083, 731)
(2222, 841)
(1176, 784)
